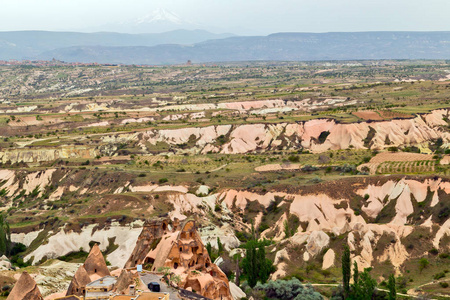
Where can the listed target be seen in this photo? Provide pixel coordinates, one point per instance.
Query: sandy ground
(368, 115)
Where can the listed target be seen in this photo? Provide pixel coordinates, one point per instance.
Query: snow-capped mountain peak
(161, 15)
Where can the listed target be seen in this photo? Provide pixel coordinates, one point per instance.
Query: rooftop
(103, 282)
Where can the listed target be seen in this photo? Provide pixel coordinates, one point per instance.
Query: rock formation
(151, 232)
(184, 253)
(95, 264)
(25, 289)
(79, 281)
(93, 268)
(122, 286)
(318, 135)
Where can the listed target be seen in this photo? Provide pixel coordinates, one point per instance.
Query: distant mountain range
(33, 44)
(154, 49)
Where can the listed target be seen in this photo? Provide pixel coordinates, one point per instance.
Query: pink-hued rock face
(253, 137)
(401, 191)
(182, 251)
(25, 289)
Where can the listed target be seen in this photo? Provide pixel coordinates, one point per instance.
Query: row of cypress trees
(5, 236)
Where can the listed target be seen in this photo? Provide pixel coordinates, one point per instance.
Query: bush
(18, 248)
(439, 276)
(444, 255)
(443, 284)
(309, 168)
(434, 251)
(294, 158)
(163, 180)
(291, 289)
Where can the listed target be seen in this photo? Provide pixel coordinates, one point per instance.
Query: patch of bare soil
(368, 115)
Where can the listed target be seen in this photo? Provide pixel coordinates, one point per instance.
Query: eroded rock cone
(95, 264)
(123, 283)
(93, 268)
(25, 289)
(79, 281)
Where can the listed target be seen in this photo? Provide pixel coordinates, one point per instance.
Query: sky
(238, 16)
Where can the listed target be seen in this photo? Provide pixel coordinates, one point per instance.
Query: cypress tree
(346, 271)
(391, 288)
(355, 272)
(250, 264)
(5, 236)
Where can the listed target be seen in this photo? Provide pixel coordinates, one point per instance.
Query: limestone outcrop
(25, 289)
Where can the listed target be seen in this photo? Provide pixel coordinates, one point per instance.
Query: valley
(304, 159)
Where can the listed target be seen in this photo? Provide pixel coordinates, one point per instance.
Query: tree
(5, 237)
(209, 249)
(355, 272)
(237, 258)
(256, 266)
(391, 288)
(219, 247)
(250, 264)
(423, 263)
(346, 271)
(365, 287)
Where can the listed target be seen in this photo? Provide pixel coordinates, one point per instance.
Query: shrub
(291, 289)
(163, 180)
(434, 251)
(294, 158)
(443, 284)
(439, 276)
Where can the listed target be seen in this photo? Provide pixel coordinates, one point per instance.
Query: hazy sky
(246, 16)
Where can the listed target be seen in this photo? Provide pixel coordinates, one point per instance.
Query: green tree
(5, 236)
(365, 287)
(355, 272)
(219, 247)
(209, 249)
(346, 270)
(256, 266)
(391, 288)
(423, 263)
(250, 264)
